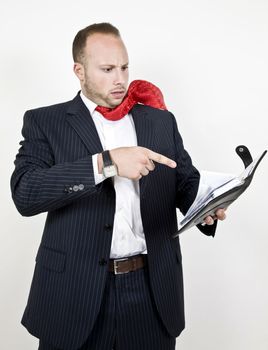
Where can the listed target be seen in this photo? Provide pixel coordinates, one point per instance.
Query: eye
(124, 68)
(107, 70)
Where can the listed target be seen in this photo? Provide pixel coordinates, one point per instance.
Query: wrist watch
(109, 168)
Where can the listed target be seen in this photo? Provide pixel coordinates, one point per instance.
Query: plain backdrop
(210, 60)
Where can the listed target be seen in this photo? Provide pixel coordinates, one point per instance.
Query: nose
(120, 77)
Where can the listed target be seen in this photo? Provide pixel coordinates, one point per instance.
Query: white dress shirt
(128, 235)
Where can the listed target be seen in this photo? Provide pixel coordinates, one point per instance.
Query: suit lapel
(144, 131)
(80, 119)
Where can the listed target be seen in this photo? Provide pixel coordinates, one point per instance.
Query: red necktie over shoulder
(139, 91)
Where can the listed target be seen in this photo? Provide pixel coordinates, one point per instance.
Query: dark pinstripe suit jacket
(54, 173)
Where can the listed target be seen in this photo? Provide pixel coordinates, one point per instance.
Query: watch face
(109, 171)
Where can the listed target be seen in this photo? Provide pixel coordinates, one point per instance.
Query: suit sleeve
(188, 181)
(37, 183)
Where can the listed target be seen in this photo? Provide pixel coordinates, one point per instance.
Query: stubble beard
(99, 98)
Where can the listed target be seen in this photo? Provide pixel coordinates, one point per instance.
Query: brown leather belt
(125, 265)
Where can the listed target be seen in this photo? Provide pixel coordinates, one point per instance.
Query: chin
(115, 103)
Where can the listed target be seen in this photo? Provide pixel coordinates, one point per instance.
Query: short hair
(80, 39)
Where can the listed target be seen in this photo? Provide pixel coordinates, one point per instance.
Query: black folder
(227, 197)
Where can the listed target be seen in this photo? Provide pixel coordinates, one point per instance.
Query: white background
(210, 60)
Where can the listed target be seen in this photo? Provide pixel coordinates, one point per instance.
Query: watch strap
(107, 160)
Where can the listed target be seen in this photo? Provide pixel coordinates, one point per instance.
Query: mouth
(118, 94)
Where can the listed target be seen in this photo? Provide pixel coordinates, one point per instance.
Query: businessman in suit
(108, 273)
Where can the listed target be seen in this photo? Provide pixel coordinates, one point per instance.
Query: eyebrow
(113, 65)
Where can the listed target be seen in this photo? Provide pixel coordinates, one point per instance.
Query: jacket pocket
(51, 259)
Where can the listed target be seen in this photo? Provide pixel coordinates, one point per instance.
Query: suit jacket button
(108, 227)
(75, 188)
(81, 187)
(68, 189)
(103, 262)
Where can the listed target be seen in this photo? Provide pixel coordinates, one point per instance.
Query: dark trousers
(128, 319)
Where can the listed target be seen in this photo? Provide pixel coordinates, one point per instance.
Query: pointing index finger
(159, 158)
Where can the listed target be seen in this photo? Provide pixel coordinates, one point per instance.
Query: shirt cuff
(98, 177)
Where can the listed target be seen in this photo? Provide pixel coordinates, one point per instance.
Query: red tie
(139, 91)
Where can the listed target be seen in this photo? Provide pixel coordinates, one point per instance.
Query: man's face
(104, 72)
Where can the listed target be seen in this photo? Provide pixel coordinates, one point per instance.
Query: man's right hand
(135, 162)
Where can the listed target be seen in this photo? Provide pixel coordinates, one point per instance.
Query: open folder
(223, 194)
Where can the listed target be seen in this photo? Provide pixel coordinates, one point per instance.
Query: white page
(214, 184)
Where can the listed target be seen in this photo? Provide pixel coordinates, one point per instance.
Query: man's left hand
(220, 215)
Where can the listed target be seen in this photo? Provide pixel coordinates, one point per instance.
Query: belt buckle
(116, 266)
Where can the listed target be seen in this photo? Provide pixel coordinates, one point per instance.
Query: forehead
(105, 47)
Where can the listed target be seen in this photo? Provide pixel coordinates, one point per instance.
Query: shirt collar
(89, 104)
(92, 106)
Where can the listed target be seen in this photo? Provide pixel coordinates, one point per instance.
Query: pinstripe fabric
(53, 173)
(128, 318)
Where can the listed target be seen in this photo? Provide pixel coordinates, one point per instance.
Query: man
(108, 272)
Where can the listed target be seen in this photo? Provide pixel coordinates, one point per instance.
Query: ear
(79, 71)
